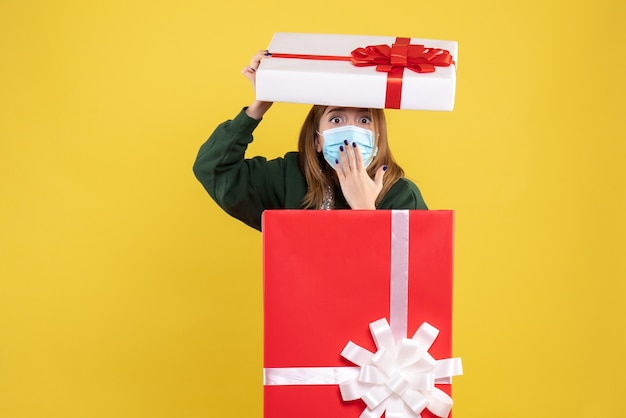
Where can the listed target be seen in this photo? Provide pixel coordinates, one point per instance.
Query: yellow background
(125, 291)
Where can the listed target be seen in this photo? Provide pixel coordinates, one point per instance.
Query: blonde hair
(319, 174)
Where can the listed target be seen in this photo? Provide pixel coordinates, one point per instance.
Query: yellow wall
(125, 291)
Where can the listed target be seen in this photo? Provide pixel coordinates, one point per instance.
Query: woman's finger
(249, 71)
(256, 59)
(358, 158)
(346, 164)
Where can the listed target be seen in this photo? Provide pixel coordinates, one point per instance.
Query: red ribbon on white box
(392, 59)
(399, 379)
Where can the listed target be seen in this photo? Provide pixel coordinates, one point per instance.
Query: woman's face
(334, 117)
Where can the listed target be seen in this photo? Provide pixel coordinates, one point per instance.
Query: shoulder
(404, 194)
(406, 185)
(286, 166)
(288, 161)
(292, 157)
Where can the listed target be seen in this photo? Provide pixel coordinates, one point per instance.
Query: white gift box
(326, 75)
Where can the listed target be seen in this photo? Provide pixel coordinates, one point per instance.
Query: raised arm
(257, 109)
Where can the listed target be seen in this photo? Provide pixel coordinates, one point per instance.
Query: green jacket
(244, 188)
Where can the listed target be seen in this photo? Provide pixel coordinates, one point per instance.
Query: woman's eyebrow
(343, 109)
(335, 109)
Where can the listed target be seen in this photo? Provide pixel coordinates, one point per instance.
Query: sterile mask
(335, 137)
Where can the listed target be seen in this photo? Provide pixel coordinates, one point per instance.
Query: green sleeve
(242, 187)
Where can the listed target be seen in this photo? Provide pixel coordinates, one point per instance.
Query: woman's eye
(335, 119)
(364, 120)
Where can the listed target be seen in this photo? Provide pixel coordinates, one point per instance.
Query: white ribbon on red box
(399, 379)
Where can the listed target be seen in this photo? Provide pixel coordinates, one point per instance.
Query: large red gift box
(328, 275)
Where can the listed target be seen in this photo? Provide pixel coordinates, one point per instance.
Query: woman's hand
(257, 109)
(249, 71)
(357, 186)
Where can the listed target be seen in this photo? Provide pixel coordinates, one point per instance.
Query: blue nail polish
(336, 161)
(341, 148)
(354, 144)
(345, 141)
(385, 168)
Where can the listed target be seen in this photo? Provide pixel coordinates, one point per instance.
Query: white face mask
(335, 137)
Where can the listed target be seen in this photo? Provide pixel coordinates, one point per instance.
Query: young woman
(343, 162)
